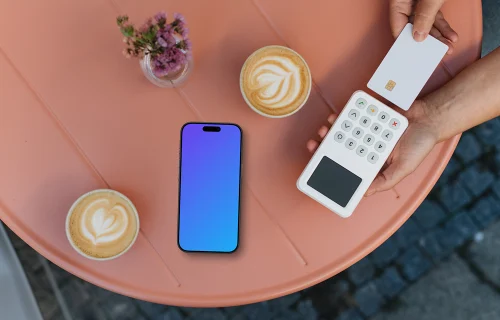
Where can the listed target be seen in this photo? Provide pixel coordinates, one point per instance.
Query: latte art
(275, 80)
(102, 224)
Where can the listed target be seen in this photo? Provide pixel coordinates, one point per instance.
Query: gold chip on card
(390, 85)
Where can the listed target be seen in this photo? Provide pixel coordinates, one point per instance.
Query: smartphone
(209, 187)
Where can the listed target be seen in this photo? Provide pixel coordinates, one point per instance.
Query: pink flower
(126, 53)
(145, 27)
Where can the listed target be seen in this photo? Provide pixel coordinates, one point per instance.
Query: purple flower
(170, 61)
(162, 15)
(178, 16)
(186, 46)
(165, 38)
(185, 32)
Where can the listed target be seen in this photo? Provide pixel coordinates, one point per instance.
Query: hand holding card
(406, 68)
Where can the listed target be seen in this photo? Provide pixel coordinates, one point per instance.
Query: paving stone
(468, 148)
(233, 312)
(488, 132)
(328, 294)
(485, 255)
(74, 294)
(39, 282)
(208, 314)
(413, 263)
(60, 275)
(428, 214)
(306, 310)
(390, 283)
(452, 167)
(29, 259)
(96, 293)
(496, 187)
(458, 229)
(120, 307)
(368, 299)
(361, 272)
(257, 311)
(288, 315)
(407, 234)
(47, 304)
(477, 180)
(431, 243)
(351, 314)
(151, 309)
(454, 196)
(449, 291)
(59, 316)
(485, 211)
(497, 160)
(89, 311)
(283, 302)
(172, 313)
(385, 253)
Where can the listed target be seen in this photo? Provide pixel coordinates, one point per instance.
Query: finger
(399, 11)
(425, 15)
(312, 145)
(388, 178)
(322, 131)
(332, 118)
(438, 35)
(444, 27)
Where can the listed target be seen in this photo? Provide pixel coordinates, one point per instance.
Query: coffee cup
(102, 224)
(275, 81)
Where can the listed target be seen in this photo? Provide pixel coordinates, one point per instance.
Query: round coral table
(76, 116)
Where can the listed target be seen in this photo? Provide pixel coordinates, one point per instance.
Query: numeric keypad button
(372, 110)
(350, 144)
(354, 114)
(361, 151)
(357, 133)
(383, 117)
(347, 125)
(376, 128)
(365, 121)
(339, 136)
(369, 139)
(361, 103)
(387, 135)
(372, 157)
(380, 146)
(394, 123)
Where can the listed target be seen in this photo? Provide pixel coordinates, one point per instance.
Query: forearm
(469, 99)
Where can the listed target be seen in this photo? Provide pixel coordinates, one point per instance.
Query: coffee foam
(102, 224)
(275, 80)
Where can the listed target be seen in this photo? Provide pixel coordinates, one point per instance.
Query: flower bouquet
(163, 48)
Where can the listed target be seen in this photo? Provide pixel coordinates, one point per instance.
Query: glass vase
(171, 80)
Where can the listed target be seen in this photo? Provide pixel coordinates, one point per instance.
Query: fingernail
(369, 192)
(419, 36)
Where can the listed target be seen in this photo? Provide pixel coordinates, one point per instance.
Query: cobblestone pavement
(443, 263)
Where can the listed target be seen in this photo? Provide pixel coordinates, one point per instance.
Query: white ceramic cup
(263, 113)
(70, 212)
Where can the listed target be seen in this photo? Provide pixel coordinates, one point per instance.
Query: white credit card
(406, 68)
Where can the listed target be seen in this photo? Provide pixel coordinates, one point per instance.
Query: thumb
(388, 178)
(425, 15)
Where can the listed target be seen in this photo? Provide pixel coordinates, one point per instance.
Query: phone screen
(209, 190)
